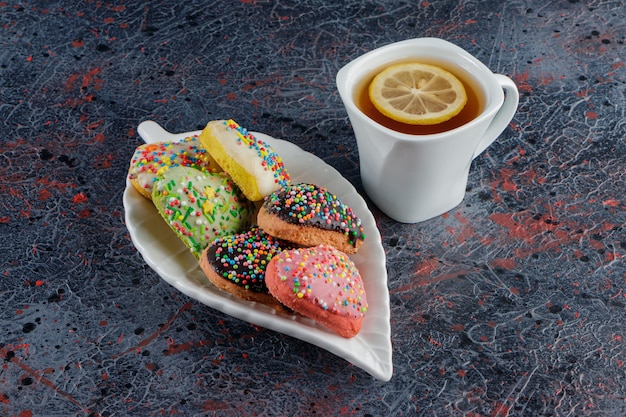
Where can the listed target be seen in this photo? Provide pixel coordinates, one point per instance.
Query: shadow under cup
(414, 177)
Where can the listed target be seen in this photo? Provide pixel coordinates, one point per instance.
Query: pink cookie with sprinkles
(236, 264)
(309, 215)
(321, 283)
(252, 163)
(201, 206)
(153, 159)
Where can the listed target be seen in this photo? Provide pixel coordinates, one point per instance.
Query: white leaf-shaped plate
(370, 350)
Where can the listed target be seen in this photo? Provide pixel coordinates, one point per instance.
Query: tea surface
(473, 107)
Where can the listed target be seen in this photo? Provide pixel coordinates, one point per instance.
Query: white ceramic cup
(413, 178)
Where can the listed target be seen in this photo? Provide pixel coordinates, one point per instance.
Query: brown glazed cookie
(236, 264)
(309, 215)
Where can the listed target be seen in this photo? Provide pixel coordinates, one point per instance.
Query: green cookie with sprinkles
(201, 206)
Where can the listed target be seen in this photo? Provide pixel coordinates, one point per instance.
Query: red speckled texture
(512, 304)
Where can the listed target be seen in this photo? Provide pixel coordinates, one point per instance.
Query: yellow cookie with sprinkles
(252, 163)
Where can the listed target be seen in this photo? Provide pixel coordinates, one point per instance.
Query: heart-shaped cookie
(321, 283)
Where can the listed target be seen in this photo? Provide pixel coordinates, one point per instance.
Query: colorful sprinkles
(326, 277)
(152, 159)
(242, 258)
(311, 205)
(200, 206)
(270, 160)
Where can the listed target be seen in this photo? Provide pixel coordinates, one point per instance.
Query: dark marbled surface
(512, 304)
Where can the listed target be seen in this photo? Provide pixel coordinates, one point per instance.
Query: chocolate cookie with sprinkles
(309, 215)
(236, 264)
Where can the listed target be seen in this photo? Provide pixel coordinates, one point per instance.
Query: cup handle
(504, 115)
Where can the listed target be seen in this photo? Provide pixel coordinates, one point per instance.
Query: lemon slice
(417, 94)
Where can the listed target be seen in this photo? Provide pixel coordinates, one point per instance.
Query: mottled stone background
(512, 304)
